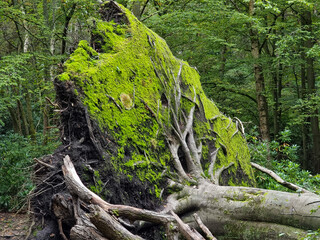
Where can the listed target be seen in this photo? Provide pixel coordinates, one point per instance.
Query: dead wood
(203, 227)
(279, 179)
(76, 187)
(81, 232)
(186, 231)
(109, 226)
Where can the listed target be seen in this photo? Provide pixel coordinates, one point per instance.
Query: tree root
(104, 215)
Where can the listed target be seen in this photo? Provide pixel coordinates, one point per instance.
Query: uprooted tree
(156, 158)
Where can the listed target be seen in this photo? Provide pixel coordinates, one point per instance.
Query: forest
(189, 119)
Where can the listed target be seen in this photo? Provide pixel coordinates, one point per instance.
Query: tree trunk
(136, 9)
(311, 89)
(32, 129)
(259, 80)
(68, 16)
(304, 128)
(25, 125)
(16, 122)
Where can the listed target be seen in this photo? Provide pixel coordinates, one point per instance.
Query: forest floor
(14, 226)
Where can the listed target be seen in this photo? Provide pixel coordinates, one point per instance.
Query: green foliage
(312, 235)
(16, 166)
(98, 184)
(283, 161)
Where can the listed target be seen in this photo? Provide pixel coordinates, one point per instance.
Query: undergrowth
(281, 157)
(17, 155)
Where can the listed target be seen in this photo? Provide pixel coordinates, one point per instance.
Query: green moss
(120, 85)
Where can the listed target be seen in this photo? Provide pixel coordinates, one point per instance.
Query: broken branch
(279, 179)
(203, 227)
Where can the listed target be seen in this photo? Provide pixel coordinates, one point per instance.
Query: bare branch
(76, 187)
(44, 164)
(115, 102)
(186, 231)
(240, 126)
(279, 179)
(203, 227)
(108, 226)
(230, 121)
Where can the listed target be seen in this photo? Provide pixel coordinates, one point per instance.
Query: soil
(14, 226)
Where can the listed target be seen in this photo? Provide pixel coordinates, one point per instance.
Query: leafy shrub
(16, 162)
(281, 157)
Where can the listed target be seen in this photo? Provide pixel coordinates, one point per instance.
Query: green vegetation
(17, 155)
(281, 157)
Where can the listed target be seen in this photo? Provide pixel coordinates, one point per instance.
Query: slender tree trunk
(25, 124)
(15, 120)
(310, 74)
(45, 124)
(277, 89)
(276, 105)
(259, 79)
(68, 18)
(304, 127)
(32, 129)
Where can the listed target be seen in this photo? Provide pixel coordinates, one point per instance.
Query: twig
(118, 106)
(215, 117)
(52, 103)
(203, 227)
(235, 131)
(186, 231)
(150, 42)
(224, 148)
(230, 121)
(44, 164)
(188, 98)
(149, 108)
(61, 229)
(30, 229)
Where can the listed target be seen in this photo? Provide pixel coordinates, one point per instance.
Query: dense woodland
(258, 61)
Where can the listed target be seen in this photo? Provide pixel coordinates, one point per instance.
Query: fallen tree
(156, 158)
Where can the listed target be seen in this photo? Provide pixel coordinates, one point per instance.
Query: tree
(139, 128)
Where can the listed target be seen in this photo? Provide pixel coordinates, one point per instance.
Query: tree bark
(259, 80)
(221, 207)
(68, 16)
(32, 129)
(311, 89)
